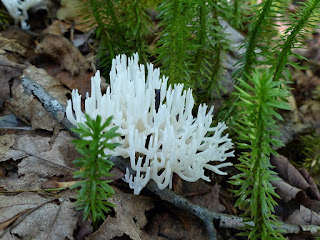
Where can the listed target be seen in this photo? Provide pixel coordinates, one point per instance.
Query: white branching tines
(158, 140)
(18, 9)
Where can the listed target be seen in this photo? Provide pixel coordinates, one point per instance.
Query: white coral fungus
(160, 140)
(18, 9)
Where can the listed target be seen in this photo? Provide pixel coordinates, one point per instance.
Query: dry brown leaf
(167, 225)
(44, 220)
(39, 160)
(61, 154)
(30, 109)
(9, 76)
(11, 45)
(288, 172)
(285, 190)
(6, 142)
(61, 50)
(81, 82)
(304, 216)
(68, 12)
(210, 200)
(57, 28)
(5, 224)
(313, 190)
(129, 218)
(11, 206)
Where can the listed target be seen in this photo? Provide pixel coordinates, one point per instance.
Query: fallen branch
(208, 217)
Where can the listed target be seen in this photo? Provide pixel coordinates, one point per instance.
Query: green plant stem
(105, 37)
(202, 37)
(288, 44)
(255, 29)
(174, 38)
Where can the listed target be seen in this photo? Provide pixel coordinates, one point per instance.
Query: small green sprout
(94, 167)
(311, 152)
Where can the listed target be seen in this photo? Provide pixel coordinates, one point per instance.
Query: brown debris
(61, 51)
(29, 109)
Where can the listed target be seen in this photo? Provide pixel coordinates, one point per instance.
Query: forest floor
(36, 153)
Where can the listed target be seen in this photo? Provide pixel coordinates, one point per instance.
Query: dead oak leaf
(61, 50)
(39, 158)
(30, 109)
(288, 172)
(304, 216)
(6, 142)
(44, 220)
(129, 219)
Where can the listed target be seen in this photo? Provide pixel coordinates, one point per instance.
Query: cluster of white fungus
(18, 9)
(159, 140)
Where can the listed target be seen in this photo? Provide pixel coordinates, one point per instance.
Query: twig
(52, 105)
(208, 217)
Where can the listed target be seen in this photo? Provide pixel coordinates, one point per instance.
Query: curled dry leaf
(168, 225)
(210, 200)
(40, 218)
(313, 190)
(9, 74)
(129, 218)
(29, 109)
(6, 142)
(304, 216)
(285, 190)
(61, 50)
(11, 45)
(288, 172)
(39, 159)
(68, 12)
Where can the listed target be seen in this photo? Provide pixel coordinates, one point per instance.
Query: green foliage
(311, 152)
(294, 34)
(4, 18)
(174, 47)
(260, 98)
(94, 166)
(122, 27)
(261, 49)
(257, 42)
(192, 45)
(212, 46)
(259, 94)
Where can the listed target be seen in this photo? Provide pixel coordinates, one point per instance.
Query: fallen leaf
(167, 225)
(44, 220)
(81, 82)
(129, 218)
(288, 172)
(61, 50)
(30, 109)
(39, 159)
(285, 190)
(68, 12)
(5, 224)
(304, 216)
(9, 77)
(313, 190)
(210, 200)
(6, 142)
(11, 45)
